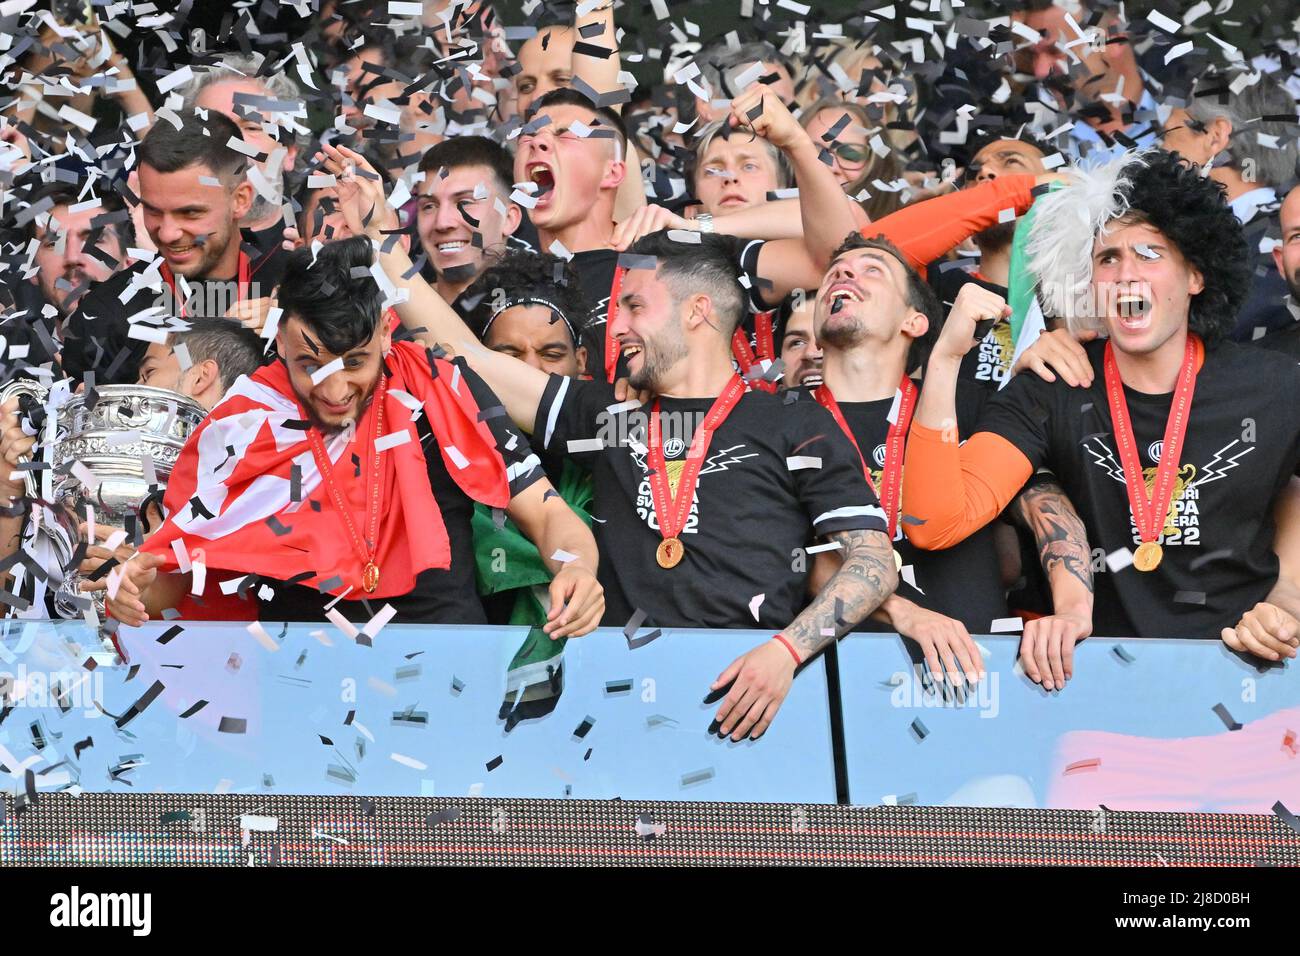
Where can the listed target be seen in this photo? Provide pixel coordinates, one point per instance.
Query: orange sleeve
(926, 230)
(954, 490)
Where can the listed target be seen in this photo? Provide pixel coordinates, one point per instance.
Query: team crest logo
(878, 456)
(674, 447)
(1154, 450)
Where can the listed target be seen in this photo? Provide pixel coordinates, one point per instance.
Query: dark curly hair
(519, 274)
(1192, 211)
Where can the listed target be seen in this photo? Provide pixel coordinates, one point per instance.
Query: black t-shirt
(754, 508)
(440, 596)
(1285, 340)
(25, 324)
(97, 336)
(1241, 448)
(963, 581)
(988, 364)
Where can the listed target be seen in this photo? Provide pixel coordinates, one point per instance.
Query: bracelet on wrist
(789, 647)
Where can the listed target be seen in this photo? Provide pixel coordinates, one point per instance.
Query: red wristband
(789, 647)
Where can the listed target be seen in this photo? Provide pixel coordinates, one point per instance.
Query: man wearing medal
(874, 321)
(1176, 451)
(707, 493)
(194, 192)
(342, 476)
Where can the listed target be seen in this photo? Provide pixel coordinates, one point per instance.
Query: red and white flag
(246, 494)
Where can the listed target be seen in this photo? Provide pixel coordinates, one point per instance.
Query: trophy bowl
(127, 440)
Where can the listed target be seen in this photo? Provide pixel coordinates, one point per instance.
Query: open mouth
(839, 294)
(1133, 310)
(543, 177)
(632, 349)
(450, 248)
(811, 378)
(179, 252)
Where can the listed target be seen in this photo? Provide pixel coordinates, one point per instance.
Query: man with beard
(349, 467)
(1286, 256)
(705, 471)
(74, 249)
(1176, 453)
(253, 100)
(195, 192)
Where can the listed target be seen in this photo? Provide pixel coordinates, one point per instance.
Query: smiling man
(703, 472)
(464, 212)
(1176, 451)
(195, 193)
(355, 465)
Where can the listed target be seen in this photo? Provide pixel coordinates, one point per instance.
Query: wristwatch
(706, 222)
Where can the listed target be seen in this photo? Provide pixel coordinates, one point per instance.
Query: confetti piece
(697, 776)
(1119, 560)
(1189, 597)
(1080, 766)
(1179, 50)
(258, 824)
(1007, 625)
(392, 440)
(618, 686)
(754, 604)
(457, 685)
(408, 761)
(326, 371)
(800, 462)
(194, 709)
(259, 634)
(1226, 717)
(919, 729)
(1286, 816)
(445, 815)
(585, 727)
(494, 763)
(1120, 652)
(233, 725)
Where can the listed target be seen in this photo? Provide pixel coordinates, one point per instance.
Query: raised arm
(431, 321)
(788, 264)
(761, 678)
(952, 490)
(601, 74)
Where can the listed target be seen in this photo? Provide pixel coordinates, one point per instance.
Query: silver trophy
(107, 456)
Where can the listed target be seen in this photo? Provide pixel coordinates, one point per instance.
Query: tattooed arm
(1047, 646)
(761, 678)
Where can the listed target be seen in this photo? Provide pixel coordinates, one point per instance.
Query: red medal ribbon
(611, 343)
(891, 485)
(245, 273)
(672, 522)
(1150, 514)
(748, 358)
(366, 550)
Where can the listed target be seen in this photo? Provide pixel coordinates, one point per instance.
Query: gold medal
(670, 552)
(370, 577)
(1148, 555)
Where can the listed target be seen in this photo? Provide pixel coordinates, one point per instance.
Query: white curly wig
(1067, 221)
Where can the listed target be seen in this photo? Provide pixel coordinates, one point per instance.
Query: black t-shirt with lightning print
(1241, 448)
(774, 477)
